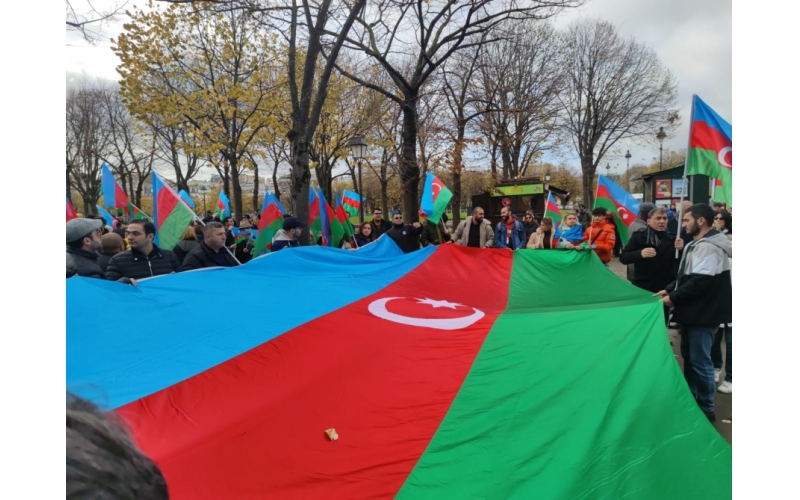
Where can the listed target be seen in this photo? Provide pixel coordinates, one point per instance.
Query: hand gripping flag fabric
(435, 197)
(269, 223)
(711, 149)
(530, 385)
(113, 194)
(71, 213)
(615, 199)
(223, 206)
(171, 216)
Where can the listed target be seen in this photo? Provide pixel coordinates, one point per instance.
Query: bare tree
(131, 149)
(87, 143)
(392, 31)
(615, 89)
(89, 21)
(520, 81)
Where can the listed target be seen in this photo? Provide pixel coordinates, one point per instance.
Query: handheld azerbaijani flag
(71, 213)
(551, 210)
(270, 222)
(615, 199)
(107, 217)
(171, 215)
(711, 149)
(187, 198)
(223, 206)
(435, 197)
(352, 202)
(113, 194)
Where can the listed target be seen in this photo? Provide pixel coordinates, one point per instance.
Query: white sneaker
(717, 371)
(725, 387)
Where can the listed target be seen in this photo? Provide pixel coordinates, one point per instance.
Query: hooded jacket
(601, 238)
(461, 234)
(281, 241)
(651, 273)
(702, 292)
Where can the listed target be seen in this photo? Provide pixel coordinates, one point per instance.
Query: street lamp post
(358, 148)
(628, 169)
(661, 136)
(547, 180)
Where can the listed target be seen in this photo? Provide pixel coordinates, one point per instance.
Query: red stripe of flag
(705, 137)
(258, 430)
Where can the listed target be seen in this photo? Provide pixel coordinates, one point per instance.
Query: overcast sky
(693, 38)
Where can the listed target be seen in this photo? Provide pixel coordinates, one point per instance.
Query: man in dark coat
(144, 259)
(83, 242)
(379, 224)
(405, 235)
(212, 251)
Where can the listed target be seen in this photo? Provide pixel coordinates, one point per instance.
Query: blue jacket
(518, 239)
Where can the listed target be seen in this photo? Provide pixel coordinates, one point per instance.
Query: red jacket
(601, 235)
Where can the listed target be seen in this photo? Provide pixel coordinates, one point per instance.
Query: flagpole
(685, 167)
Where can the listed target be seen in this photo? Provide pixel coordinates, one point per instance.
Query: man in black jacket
(379, 225)
(652, 253)
(702, 298)
(83, 242)
(144, 259)
(405, 235)
(212, 251)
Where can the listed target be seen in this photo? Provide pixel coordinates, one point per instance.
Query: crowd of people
(686, 262)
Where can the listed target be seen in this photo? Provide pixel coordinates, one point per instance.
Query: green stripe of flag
(705, 162)
(575, 394)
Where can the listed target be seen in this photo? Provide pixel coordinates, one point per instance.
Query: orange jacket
(601, 235)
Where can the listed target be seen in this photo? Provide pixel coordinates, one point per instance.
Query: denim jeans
(716, 351)
(698, 368)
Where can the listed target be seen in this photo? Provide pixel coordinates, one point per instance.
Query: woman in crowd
(570, 232)
(187, 243)
(544, 237)
(722, 223)
(364, 235)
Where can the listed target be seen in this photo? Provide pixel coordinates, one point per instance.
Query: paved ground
(723, 402)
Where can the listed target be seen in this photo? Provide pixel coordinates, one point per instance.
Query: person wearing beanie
(83, 242)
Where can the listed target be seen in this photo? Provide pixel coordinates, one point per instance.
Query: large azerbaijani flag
(436, 388)
(614, 198)
(435, 197)
(710, 149)
(171, 215)
(113, 194)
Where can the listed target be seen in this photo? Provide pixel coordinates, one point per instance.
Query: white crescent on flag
(721, 157)
(625, 215)
(378, 308)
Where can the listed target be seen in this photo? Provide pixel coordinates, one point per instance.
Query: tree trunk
(409, 170)
(301, 179)
(255, 188)
(237, 189)
(275, 179)
(588, 169)
(493, 162)
(69, 191)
